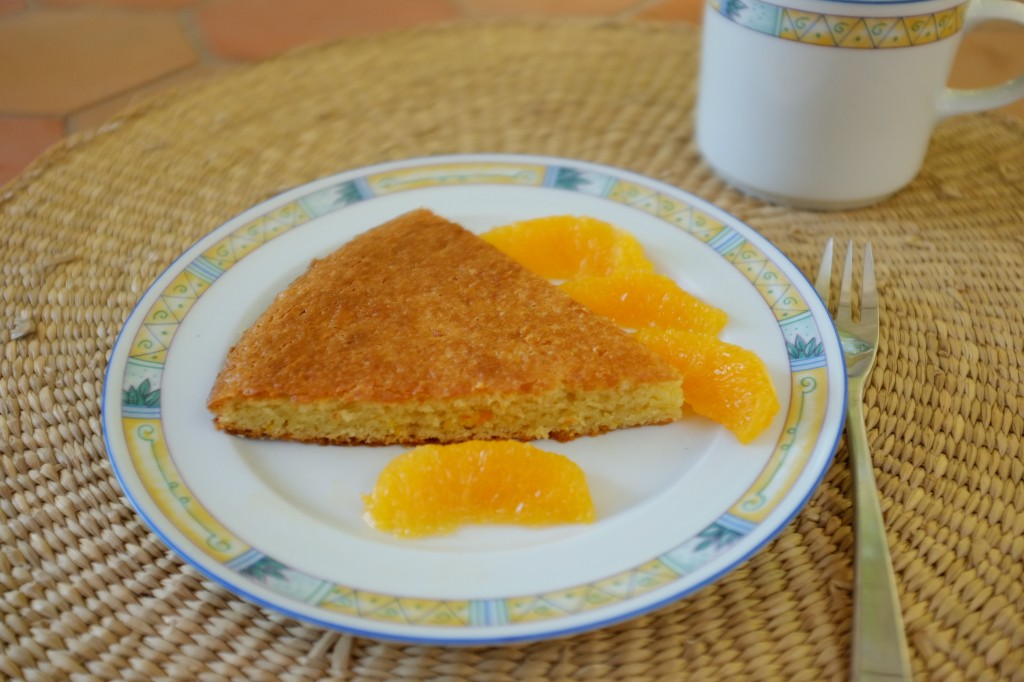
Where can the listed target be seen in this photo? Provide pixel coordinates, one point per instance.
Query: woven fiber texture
(88, 593)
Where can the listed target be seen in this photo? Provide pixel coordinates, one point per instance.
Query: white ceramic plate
(281, 524)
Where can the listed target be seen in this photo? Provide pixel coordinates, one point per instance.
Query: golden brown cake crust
(420, 309)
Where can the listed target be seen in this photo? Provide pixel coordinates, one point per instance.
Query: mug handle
(958, 101)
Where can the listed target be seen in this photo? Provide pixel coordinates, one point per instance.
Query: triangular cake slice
(419, 331)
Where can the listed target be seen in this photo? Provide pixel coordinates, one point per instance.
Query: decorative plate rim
(132, 413)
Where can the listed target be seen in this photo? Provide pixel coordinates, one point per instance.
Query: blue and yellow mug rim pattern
(835, 30)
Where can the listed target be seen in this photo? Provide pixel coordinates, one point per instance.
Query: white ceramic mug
(828, 105)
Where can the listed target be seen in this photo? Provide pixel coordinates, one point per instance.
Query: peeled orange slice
(434, 489)
(604, 269)
(560, 247)
(644, 299)
(721, 381)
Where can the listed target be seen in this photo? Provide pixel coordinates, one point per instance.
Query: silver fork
(879, 642)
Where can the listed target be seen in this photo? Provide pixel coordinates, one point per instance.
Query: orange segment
(560, 247)
(645, 299)
(604, 268)
(434, 489)
(721, 381)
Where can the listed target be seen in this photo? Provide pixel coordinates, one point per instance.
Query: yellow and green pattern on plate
(154, 462)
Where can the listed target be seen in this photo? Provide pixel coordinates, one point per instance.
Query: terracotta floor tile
(489, 8)
(989, 55)
(141, 4)
(257, 29)
(56, 62)
(24, 139)
(11, 6)
(690, 11)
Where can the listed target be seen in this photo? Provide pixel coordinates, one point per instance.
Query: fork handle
(879, 642)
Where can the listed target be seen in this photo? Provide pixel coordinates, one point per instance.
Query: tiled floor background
(68, 65)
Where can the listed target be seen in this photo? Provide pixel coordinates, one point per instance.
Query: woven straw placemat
(88, 593)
